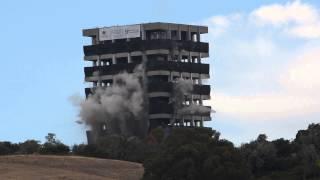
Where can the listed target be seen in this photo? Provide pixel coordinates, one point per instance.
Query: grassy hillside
(33, 167)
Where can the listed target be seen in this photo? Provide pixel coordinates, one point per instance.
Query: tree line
(197, 153)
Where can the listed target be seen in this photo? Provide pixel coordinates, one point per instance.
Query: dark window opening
(164, 100)
(158, 57)
(175, 58)
(184, 35)
(107, 82)
(136, 59)
(158, 78)
(194, 59)
(122, 60)
(156, 34)
(106, 62)
(184, 58)
(174, 35)
(120, 40)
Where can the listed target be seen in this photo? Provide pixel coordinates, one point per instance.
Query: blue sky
(264, 57)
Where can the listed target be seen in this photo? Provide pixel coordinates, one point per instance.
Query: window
(158, 57)
(136, 59)
(174, 35)
(184, 59)
(104, 127)
(194, 37)
(122, 60)
(106, 62)
(184, 35)
(156, 34)
(194, 59)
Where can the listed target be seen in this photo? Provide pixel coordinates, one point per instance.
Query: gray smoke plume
(182, 89)
(194, 109)
(120, 108)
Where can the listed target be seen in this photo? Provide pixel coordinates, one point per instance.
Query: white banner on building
(119, 32)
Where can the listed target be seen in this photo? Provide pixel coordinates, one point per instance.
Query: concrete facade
(172, 51)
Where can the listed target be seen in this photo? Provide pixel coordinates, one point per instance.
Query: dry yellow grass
(36, 167)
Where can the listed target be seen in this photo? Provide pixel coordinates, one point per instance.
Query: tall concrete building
(170, 52)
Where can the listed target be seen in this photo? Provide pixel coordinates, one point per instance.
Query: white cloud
(293, 70)
(218, 25)
(265, 106)
(310, 31)
(257, 47)
(292, 12)
(295, 18)
(303, 76)
(298, 94)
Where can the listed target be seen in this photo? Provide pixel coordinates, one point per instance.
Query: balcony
(166, 87)
(152, 65)
(142, 45)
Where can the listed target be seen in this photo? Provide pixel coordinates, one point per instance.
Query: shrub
(29, 147)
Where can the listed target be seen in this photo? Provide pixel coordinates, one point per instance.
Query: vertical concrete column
(192, 117)
(99, 61)
(199, 61)
(169, 57)
(181, 121)
(200, 80)
(144, 57)
(200, 101)
(171, 76)
(189, 57)
(143, 32)
(179, 32)
(99, 78)
(201, 104)
(189, 34)
(201, 122)
(179, 56)
(94, 40)
(114, 60)
(192, 84)
(198, 35)
(129, 58)
(169, 32)
(192, 121)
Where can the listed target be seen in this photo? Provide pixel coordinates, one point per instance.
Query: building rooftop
(152, 26)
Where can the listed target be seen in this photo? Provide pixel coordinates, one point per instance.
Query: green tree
(29, 147)
(53, 146)
(196, 153)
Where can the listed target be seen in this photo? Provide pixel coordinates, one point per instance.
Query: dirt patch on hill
(36, 167)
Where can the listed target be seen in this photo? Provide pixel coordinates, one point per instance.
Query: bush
(29, 147)
(54, 146)
(196, 153)
(56, 149)
(8, 148)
